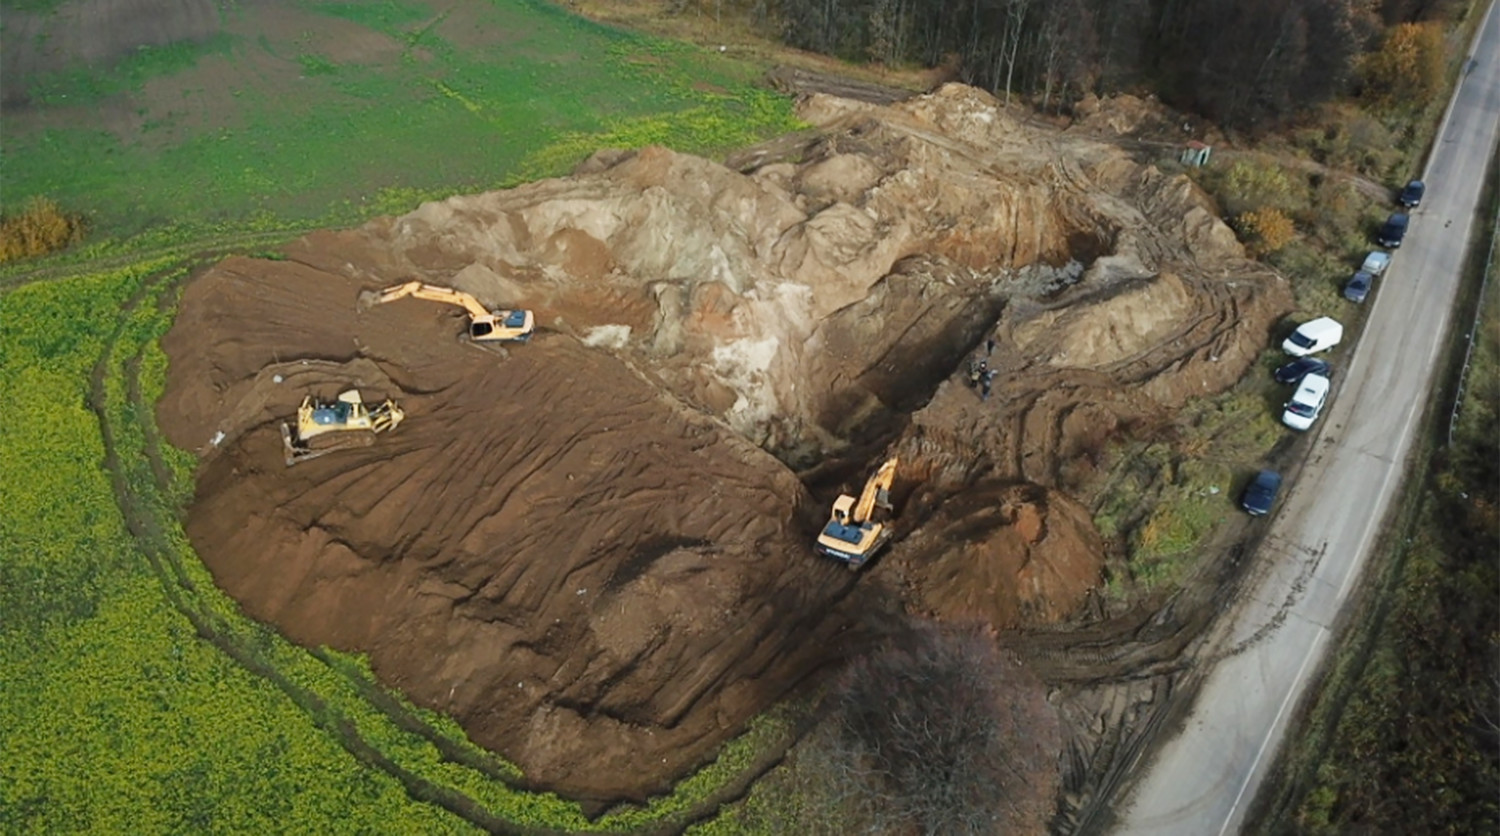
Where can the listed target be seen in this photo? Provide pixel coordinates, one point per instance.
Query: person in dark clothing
(989, 346)
(985, 379)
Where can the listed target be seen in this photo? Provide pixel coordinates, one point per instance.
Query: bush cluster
(40, 228)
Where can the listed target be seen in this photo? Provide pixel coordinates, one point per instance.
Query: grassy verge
(1403, 734)
(1165, 496)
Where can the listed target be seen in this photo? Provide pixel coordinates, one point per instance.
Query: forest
(1247, 64)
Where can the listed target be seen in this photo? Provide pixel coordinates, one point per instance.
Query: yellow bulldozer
(485, 326)
(851, 534)
(325, 426)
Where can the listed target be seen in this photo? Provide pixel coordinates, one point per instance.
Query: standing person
(984, 384)
(989, 346)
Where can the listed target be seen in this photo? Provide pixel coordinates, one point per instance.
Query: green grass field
(137, 698)
(311, 112)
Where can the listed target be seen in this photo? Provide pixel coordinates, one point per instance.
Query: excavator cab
(502, 326)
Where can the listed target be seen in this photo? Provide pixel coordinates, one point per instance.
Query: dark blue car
(1301, 367)
(1260, 494)
(1411, 196)
(1393, 231)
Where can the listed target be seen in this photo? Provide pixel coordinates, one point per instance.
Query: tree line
(1240, 62)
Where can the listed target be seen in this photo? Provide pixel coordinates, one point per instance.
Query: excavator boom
(484, 325)
(432, 293)
(876, 492)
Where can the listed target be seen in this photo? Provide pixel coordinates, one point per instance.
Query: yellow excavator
(484, 325)
(325, 426)
(851, 535)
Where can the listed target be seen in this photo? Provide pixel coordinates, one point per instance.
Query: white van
(1313, 336)
(1302, 410)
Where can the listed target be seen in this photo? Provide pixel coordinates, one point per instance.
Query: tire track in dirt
(180, 589)
(146, 530)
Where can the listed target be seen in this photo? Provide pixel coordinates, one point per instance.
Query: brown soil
(594, 551)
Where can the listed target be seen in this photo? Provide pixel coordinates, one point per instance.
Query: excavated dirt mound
(587, 575)
(593, 551)
(1002, 555)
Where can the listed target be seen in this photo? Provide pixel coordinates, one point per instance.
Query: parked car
(1300, 367)
(1411, 196)
(1313, 336)
(1302, 410)
(1376, 262)
(1393, 231)
(1358, 286)
(1260, 494)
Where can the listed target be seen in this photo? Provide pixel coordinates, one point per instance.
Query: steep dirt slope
(593, 551)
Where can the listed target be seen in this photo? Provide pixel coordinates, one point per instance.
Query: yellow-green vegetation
(1313, 226)
(39, 228)
(142, 700)
(1347, 138)
(1164, 496)
(117, 717)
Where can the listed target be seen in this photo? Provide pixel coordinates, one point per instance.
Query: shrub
(938, 732)
(1251, 184)
(41, 227)
(1266, 229)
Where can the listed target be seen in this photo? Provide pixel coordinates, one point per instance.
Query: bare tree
(938, 732)
(1015, 30)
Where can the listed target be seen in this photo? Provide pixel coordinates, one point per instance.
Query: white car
(1302, 410)
(1313, 336)
(1375, 263)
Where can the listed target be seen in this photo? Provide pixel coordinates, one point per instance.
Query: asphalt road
(1204, 779)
